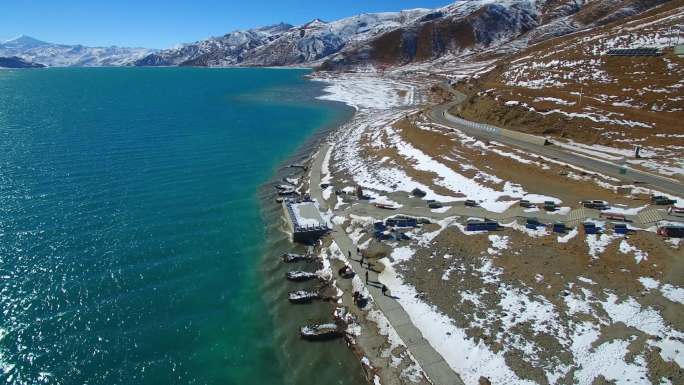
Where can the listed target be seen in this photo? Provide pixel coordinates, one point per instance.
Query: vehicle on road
(671, 231)
(385, 206)
(676, 211)
(613, 216)
(660, 200)
(595, 204)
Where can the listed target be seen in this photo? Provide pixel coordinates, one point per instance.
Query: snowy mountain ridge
(283, 44)
(399, 38)
(484, 26)
(368, 39)
(63, 55)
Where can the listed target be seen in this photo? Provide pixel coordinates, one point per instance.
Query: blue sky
(164, 23)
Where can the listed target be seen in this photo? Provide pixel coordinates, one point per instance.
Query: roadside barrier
(534, 139)
(478, 126)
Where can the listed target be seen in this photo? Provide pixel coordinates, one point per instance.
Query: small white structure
(306, 223)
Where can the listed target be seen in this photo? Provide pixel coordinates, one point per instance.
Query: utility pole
(579, 104)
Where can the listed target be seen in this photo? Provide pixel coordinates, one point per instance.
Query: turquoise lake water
(131, 238)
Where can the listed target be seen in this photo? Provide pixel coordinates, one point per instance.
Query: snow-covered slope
(569, 89)
(60, 55)
(225, 50)
(318, 39)
(491, 26)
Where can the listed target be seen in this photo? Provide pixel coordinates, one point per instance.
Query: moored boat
(293, 257)
(303, 296)
(287, 192)
(321, 332)
(300, 276)
(283, 186)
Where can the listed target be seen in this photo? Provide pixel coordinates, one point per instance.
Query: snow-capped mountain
(283, 44)
(377, 39)
(396, 38)
(225, 50)
(61, 55)
(493, 26)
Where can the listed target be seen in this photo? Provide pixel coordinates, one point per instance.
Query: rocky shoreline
(368, 336)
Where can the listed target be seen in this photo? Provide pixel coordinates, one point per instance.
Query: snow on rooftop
(306, 214)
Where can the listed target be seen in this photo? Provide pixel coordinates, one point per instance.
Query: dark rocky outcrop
(17, 62)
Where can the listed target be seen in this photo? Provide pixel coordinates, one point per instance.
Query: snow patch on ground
(468, 358)
(673, 293)
(626, 248)
(567, 237)
(498, 243)
(598, 242)
(366, 91)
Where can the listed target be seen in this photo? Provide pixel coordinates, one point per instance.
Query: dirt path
(432, 363)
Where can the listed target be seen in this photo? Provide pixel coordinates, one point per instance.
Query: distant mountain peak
(24, 40)
(275, 28)
(281, 25)
(314, 23)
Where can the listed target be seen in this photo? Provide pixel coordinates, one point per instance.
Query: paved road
(438, 115)
(437, 370)
(646, 218)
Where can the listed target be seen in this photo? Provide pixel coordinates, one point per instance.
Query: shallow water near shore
(131, 231)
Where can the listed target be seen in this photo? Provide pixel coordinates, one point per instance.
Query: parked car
(613, 216)
(418, 193)
(385, 207)
(482, 226)
(678, 211)
(671, 231)
(660, 200)
(595, 204)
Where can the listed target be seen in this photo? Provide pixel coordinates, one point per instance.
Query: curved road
(432, 363)
(438, 114)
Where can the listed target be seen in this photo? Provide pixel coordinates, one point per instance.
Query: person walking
(366, 276)
(384, 290)
(349, 253)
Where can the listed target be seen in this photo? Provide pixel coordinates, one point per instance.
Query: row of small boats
(317, 331)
